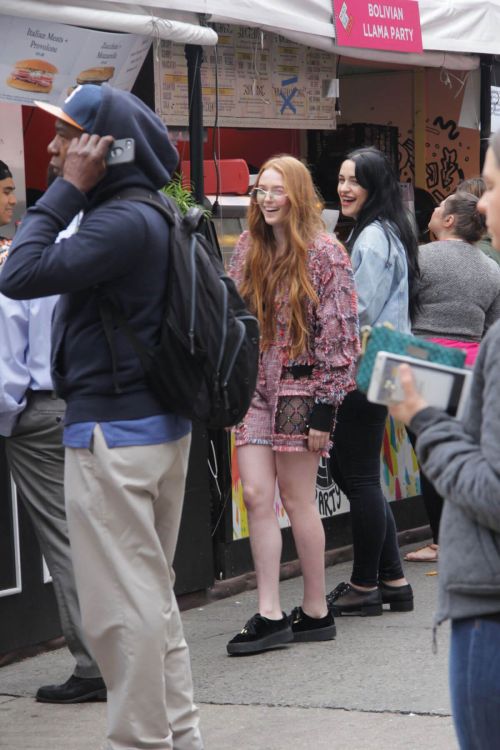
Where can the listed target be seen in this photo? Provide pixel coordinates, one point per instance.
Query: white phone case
(444, 387)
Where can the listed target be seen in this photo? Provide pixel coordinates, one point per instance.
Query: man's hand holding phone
(85, 162)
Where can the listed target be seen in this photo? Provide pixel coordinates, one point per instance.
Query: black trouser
(432, 499)
(355, 466)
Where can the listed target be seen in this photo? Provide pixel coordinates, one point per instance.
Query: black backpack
(205, 364)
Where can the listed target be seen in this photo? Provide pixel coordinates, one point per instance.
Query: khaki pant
(124, 509)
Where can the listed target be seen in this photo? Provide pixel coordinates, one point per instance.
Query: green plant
(182, 196)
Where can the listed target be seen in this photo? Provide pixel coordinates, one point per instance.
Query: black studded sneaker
(306, 628)
(346, 600)
(259, 634)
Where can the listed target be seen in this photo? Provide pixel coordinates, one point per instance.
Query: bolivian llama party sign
(388, 24)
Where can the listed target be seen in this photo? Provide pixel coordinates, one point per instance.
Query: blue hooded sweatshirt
(121, 248)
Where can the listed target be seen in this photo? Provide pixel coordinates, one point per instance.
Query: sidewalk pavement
(378, 686)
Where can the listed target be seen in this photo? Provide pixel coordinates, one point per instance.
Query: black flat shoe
(399, 598)
(259, 634)
(306, 628)
(346, 600)
(74, 690)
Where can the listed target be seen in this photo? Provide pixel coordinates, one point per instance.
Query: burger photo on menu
(96, 76)
(32, 75)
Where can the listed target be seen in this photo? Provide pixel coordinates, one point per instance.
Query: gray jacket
(462, 459)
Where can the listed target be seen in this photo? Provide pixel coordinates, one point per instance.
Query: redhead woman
(298, 281)
(384, 258)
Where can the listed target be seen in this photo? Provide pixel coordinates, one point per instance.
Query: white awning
(151, 20)
(449, 27)
(454, 32)
(464, 26)
(461, 25)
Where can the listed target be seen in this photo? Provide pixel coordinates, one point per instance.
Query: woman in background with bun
(459, 299)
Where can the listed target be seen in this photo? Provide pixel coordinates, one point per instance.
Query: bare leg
(297, 482)
(258, 476)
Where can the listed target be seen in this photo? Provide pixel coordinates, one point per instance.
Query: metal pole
(194, 57)
(485, 106)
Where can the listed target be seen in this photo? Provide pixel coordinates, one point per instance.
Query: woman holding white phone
(383, 250)
(462, 460)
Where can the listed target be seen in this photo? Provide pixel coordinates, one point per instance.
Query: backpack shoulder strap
(152, 197)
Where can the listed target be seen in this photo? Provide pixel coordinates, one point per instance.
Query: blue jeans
(355, 467)
(475, 682)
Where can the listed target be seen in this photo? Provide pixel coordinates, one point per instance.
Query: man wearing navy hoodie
(126, 459)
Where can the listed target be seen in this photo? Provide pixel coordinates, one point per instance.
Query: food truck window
(230, 221)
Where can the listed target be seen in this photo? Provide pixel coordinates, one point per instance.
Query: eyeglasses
(275, 194)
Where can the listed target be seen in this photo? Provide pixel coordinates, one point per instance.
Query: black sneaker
(307, 628)
(399, 598)
(259, 634)
(346, 600)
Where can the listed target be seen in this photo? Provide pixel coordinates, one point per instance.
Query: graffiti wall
(399, 475)
(389, 97)
(452, 150)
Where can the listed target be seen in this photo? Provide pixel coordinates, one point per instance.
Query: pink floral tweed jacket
(333, 346)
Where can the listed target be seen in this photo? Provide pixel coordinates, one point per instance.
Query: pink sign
(388, 24)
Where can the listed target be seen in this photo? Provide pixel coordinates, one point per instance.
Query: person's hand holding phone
(413, 402)
(85, 162)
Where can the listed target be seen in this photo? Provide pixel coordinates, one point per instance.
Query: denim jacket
(381, 277)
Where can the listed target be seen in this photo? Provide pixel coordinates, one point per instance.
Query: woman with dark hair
(298, 281)
(384, 256)
(459, 299)
(463, 461)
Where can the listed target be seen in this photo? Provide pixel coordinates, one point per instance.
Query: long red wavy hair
(266, 276)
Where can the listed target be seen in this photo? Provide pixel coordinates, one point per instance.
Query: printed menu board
(44, 60)
(264, 81)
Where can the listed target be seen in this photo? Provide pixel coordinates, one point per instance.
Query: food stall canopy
(156, 20)
(454, 32)
(464, 26)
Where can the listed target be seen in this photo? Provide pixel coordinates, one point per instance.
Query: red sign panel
(388, 24)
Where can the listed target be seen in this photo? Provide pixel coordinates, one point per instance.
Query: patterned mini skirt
(281, 406)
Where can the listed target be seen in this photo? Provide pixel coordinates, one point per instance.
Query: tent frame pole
(486, 66)
(194, 58)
